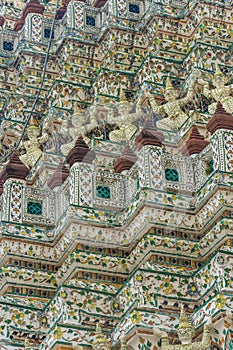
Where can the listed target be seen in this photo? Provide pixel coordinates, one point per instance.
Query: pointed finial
(149, 135)
(14, 169)
(80, 153)
(169, 85)
(220, 120)
(126, 160)
(218, 71)
(123, 98)
(195, 144)
(59, 176)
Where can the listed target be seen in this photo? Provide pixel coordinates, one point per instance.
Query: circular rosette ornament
(139, 277)
(43, 320)
(136, 317)
(63, 294)
(115, 305)
(218, 177)
(220, 260)
(220, 301)
(192, 288)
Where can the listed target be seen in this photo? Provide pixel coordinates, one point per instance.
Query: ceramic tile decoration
(116, 175)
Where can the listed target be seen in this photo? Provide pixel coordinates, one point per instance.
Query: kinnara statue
(221, 92)
(32, 145)
(124, 120)
(172, 108)
(185, 333)
(77, 128)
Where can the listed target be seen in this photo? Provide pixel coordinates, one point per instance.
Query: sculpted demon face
(185, 335)
(171, 95)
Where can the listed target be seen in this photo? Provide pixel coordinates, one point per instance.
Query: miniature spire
(1, 186)
(61, 11)
(220, 120)
(80, 153)
(59, 176)
(2, 20)
(126, 160)
(32, 6)
(149, 135)
(14, 169)
(195, 143)
(184, 320)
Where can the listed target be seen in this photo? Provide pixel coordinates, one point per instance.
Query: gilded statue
(93, 122)
(172, 108)
(77, 128)
(101, 342)
(185, 333)
(32, 145)
(124, 120)
(221, 92)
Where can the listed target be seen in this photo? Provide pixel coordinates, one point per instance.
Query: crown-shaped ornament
(184, 320)
(33, 124)
(169, 85)
(218, 71)
(123, 98)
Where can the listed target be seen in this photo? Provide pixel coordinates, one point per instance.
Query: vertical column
(81, 184)
(121, 8)
(149, 167)
(33, 27)
(75, 15)
(221, 129)
(13, 180)
(80, 159)
(12, 200)
(222, 146)
(149, 143)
